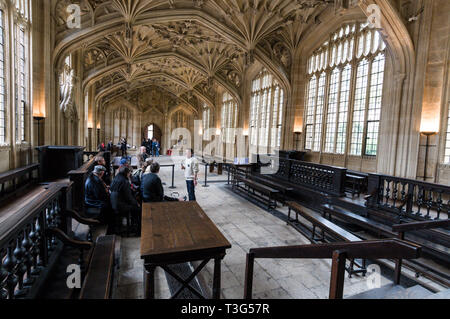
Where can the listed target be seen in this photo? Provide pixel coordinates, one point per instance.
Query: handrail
(412, 226)
(376, 249)
(338, 252)
(26, 248)
(6, 176)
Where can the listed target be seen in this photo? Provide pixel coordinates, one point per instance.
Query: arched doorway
(152, 131)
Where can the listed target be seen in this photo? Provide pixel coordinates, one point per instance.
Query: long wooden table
(179, 232)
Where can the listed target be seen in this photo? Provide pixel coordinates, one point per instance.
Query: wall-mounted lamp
(428, 134)
(297, 133)
(218, 131)
(245, 132)
(200, 132)
(39, 118)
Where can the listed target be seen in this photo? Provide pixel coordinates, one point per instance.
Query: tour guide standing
(190, 165)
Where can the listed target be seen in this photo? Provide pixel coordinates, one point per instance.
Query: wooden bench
(98, 281)
(97, 262)
(282, 188)
(327, 227)
(251, 187)
(377, 228)
(17, 186)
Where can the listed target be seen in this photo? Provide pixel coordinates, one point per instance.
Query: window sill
(5, 147)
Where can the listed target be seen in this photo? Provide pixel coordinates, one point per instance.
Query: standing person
(158, 147)
(190, 165)
(154, 147)
(109, 147)
(123, 147)
(102, 147)
(148, 145)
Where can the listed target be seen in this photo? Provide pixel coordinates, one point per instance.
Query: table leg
(173, 177)
(217, 277)
(149, 282)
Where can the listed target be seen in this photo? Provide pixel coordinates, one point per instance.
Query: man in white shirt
(190, 165)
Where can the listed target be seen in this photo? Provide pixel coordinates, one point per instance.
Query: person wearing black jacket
(124, 147)
(96, 193)
(151, 187)
(109, 147)
(122, 199)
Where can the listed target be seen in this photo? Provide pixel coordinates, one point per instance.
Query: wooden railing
(338, 253)
(328, 179)
(27, 250)
(409, 198)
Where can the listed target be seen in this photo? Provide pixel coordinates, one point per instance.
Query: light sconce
(245, 132)
(218, 131)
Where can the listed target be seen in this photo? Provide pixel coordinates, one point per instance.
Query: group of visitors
(109, 147)
(125, 193)
(152, 146)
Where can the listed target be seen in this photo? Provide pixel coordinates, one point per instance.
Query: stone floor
(246, 226)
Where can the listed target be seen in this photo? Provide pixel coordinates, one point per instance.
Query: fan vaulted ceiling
(186, 48)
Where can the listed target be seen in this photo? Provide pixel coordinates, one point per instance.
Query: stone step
(440, 295)
(416, 292)
(392, 291)
(378, 293)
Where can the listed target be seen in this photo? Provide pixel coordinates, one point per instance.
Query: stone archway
(157, 132)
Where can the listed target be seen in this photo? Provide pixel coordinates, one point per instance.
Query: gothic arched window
(229, 117)
(344, 93)
(3, 80)
(206, 122)
(22, 23)
(266, 113)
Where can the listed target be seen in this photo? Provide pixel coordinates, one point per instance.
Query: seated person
(136, 176)
(151, 187)
(142, 156)
(100, 160)
(96, 194)
(122, 199)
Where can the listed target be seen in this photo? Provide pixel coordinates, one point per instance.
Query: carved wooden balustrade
(27, 249)
(409, 198)
(328, 179)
